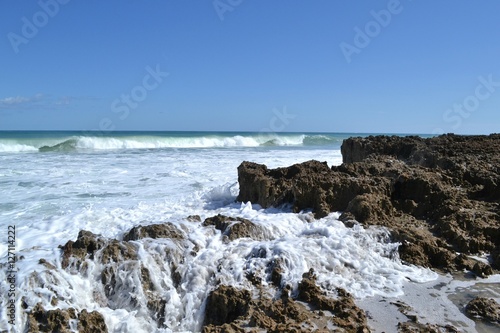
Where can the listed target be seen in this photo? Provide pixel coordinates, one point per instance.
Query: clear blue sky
(331, 66)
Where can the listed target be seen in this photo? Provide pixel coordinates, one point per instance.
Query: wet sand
(441, 302)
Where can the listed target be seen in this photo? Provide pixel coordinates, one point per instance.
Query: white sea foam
(15, 147)
(76, 141)
(87, 142)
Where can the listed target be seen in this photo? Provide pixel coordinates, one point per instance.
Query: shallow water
(440, 302)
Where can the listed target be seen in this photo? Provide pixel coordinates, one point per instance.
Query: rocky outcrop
(58, 320)
(85, 245)
(122, 271)
(164, 230)
(235, 227)
(438, 196)
(229, 309)
(226, 304)
(471, 159)
(91, 322)
(346, 314)
(485, 308)
(88, 244)
(296, 185)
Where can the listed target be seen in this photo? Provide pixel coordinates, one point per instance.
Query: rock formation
(235, 227)
(485, 308)
(121, 266)
(438, 196)
(229, 310)
(164, 230)
(40, 320)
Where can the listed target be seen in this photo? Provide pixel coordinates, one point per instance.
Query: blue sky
(328, 66)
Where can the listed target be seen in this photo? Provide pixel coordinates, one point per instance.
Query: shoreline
(441, 302)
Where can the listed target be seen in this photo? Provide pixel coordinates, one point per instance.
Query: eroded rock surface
(485, 308)
(164, 230)
(230, 309)
(226, 304)
(235, 227)
(121, 269)
(438, 196)
(58, 320)
(85, 245)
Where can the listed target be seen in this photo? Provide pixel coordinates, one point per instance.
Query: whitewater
(64, 141)
(53, 185)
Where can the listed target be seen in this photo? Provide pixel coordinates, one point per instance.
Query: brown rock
(40, 320)
(486, 308)
(232, 310)
(309, 292)
(116, 251)
(235, 227)
(194, 218)
(276, 271)
(346, 314)
(358, 149)
(164, 230)
(226, 328)
(47, 264)
(120, 258)
(369, 207)
(226, 304)
(91, 322)
(85, 245)
(156, 304)
(474, 159)
(290, 185)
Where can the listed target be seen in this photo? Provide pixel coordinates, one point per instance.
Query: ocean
(54, 184)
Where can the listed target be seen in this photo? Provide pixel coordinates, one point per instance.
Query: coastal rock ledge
(439, 196)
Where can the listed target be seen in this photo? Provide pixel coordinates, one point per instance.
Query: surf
(75, 141)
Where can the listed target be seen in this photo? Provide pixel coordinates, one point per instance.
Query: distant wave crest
(68, 145)
(15, 147)
(82, 143)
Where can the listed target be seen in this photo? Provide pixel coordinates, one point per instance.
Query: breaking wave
(83, 143)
